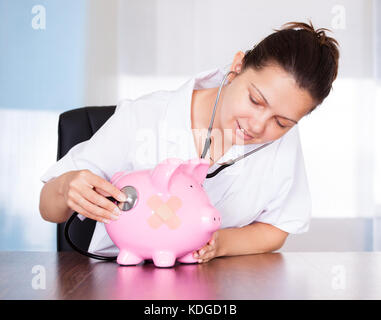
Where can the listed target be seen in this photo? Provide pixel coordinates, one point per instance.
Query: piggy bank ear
(162, 173)
(200, 170)
(197, 168)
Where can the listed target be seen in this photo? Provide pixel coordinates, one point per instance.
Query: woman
(263, 197)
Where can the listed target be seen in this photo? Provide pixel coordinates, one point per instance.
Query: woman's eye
(257, 103)
(253, 100)
(279, 124)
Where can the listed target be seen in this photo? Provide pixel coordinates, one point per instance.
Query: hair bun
(310, 54)
(319, 33)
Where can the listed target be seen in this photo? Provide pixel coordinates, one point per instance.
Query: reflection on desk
(289, 275)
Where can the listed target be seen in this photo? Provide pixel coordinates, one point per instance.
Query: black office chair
(75, 126)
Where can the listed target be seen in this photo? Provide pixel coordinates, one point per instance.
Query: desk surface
(289, 275)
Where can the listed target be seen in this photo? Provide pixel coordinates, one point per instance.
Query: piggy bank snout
(217, 218)
(211, 218)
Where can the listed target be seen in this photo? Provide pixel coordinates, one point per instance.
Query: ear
(162, 173)
(195, 168)
(236, 65)
(200, 170)
(168, 169)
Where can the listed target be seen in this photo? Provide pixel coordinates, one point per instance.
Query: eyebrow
(263, 97)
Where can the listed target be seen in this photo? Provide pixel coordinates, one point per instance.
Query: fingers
(79, 209)
(85, 194)
(95, 198)
(209, 251)
(103, 193)
(206, 253)
(94, 205)
(104, 186)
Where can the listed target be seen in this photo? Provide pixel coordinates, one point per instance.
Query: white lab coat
(268, 186)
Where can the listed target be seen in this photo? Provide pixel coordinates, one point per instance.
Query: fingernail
(122, 197)
(195, 255)
(106, 221)
(199, 260)
(114, 217)
(117, 211)
(202, 252)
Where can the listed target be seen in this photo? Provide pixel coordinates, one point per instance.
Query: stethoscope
(208, 139)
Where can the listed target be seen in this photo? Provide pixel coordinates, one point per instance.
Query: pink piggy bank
(167, 215)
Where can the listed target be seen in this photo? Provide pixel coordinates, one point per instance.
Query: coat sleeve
(105, 153)
(290, 207)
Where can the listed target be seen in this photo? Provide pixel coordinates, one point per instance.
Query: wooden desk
(318, 275)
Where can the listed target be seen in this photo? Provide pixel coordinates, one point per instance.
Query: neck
(202, 110)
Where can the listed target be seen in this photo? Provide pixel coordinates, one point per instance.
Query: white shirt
(269, 186)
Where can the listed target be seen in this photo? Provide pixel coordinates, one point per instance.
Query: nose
(214, 215)
(217, 219)
(257, 121)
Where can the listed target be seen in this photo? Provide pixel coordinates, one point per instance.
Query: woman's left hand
(209, 251)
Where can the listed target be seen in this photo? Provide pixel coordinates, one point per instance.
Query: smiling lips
(242, 133)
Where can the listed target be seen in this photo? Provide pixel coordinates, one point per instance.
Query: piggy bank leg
(164, 259)
(127, 258)
(188, 258)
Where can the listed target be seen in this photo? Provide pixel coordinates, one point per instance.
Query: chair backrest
(75, 126)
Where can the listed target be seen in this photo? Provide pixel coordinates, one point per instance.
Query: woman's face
(265, 103)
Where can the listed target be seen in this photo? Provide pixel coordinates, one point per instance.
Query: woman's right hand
(85, 193)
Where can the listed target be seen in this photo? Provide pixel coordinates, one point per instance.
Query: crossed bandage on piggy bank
(164, 212)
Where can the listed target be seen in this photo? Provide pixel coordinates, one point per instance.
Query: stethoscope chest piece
(132, 198)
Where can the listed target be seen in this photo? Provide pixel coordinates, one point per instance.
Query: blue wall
(42, 69)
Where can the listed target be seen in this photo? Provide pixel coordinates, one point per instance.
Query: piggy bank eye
(191, 186)
(132, 197)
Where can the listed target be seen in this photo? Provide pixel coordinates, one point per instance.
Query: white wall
(377, 128)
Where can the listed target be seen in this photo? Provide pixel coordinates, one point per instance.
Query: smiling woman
(272, 86)
(275, 84)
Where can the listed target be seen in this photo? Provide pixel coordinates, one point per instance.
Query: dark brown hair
(309, 55)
